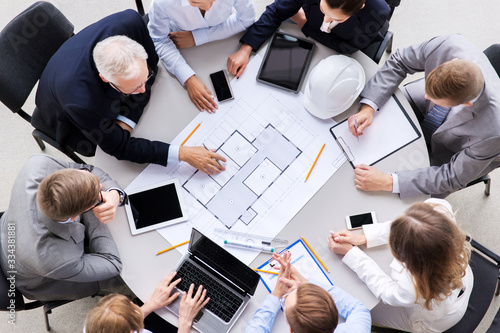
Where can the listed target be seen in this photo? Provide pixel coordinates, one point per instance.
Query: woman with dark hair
(430, 282)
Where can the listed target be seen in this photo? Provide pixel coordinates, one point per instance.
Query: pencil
(183, 142)
(312, 167)
(310, 248)
(172, 247)
(263, 271)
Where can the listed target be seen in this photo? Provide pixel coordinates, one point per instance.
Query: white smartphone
(357, 221)
(221, 86)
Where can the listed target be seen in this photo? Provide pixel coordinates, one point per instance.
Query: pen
(216, 160)
(314, 163)
(310, 248)
(263, 271)
(172, 247)
(356, 127)
(183, 142)
(239, 244)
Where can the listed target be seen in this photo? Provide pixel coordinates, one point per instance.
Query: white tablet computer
(155, 206)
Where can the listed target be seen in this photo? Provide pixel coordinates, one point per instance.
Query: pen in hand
(356, 127)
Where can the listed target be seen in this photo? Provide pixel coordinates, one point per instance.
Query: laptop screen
(223, 262)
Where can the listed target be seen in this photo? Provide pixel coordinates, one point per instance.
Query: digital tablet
(155, 206)
(286, 61)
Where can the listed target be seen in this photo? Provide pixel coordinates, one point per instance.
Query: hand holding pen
(362, 119)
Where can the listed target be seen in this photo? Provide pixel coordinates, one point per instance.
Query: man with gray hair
(94, 89)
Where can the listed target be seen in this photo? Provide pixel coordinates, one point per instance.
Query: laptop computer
(229, 282)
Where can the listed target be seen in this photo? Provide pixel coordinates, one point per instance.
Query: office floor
(413, 21)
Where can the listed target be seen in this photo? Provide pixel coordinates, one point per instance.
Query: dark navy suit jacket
(76, 106)
(354, 34)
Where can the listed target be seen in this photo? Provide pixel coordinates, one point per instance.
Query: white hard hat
(333, 85)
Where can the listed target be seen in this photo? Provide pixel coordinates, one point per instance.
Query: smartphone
(357, 221)
(221, 86)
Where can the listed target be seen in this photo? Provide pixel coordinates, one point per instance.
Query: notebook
(229, 282)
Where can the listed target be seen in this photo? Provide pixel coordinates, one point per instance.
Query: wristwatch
(123, 195)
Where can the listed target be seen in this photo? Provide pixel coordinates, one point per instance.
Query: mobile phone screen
(359, 220)
(221, 86)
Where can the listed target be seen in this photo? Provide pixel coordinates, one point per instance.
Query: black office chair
(27, 43)
(140, 7)
(495, 325)
(12, 299)
(485, 265)
(376, 50)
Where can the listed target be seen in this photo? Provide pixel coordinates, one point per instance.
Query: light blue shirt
(357, 316)
(178, 15)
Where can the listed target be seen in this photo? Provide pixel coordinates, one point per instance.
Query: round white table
(170, 110)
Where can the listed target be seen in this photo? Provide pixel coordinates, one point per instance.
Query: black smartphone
(357, 221)
(221, 86)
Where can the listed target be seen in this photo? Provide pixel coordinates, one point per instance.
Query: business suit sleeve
(100, 262)
(114, 140)
(401, 63)
(242, 17)
(464, 167)
(269, 21)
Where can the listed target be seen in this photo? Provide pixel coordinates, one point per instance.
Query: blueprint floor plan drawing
(270, 142)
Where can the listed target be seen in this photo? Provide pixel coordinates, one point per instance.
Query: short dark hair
(348, 7)
(314, 311)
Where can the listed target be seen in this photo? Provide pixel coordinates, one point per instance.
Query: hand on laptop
(161, 295)
(190, 306)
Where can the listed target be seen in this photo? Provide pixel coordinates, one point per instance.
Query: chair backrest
(493, 54)
(27, 43)
(485, 284)
(392, 4)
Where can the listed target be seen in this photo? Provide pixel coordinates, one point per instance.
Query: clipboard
(304, 261)
(391, 130)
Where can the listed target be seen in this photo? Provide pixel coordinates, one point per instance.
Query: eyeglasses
(283, 299)
(150, 75)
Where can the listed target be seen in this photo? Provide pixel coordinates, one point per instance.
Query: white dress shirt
(397, 289)
(178, 15)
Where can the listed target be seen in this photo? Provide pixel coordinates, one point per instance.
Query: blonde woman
(118, 314)
(430, 282)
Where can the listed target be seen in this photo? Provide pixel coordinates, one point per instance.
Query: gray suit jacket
(467, 145)
(50, 258)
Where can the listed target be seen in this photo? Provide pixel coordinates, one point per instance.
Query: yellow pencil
(263, 271)
(183, 142)
(310, 248)
(312, 167)
(172, 247)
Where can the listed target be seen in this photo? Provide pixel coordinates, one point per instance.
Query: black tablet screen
(155, 206)
(286, 61)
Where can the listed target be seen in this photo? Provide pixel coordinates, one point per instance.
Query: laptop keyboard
(223, 303)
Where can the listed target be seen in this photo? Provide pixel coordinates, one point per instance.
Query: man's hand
(237, 62)
(338, 248)
(364, 118)
(106, 211)
(182, 39)
(202, 159)
(286, 259)
(190, 306)
(161, 295)
(300, 18)
(200, 95)
(367, 178)
(281, 288)
(345, 236)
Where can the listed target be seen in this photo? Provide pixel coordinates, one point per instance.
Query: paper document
(391, 130)
(302, 259)
(270, 142)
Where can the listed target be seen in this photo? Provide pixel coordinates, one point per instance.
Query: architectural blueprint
(270, 142)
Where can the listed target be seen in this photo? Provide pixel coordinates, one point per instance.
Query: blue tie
(433, 120)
